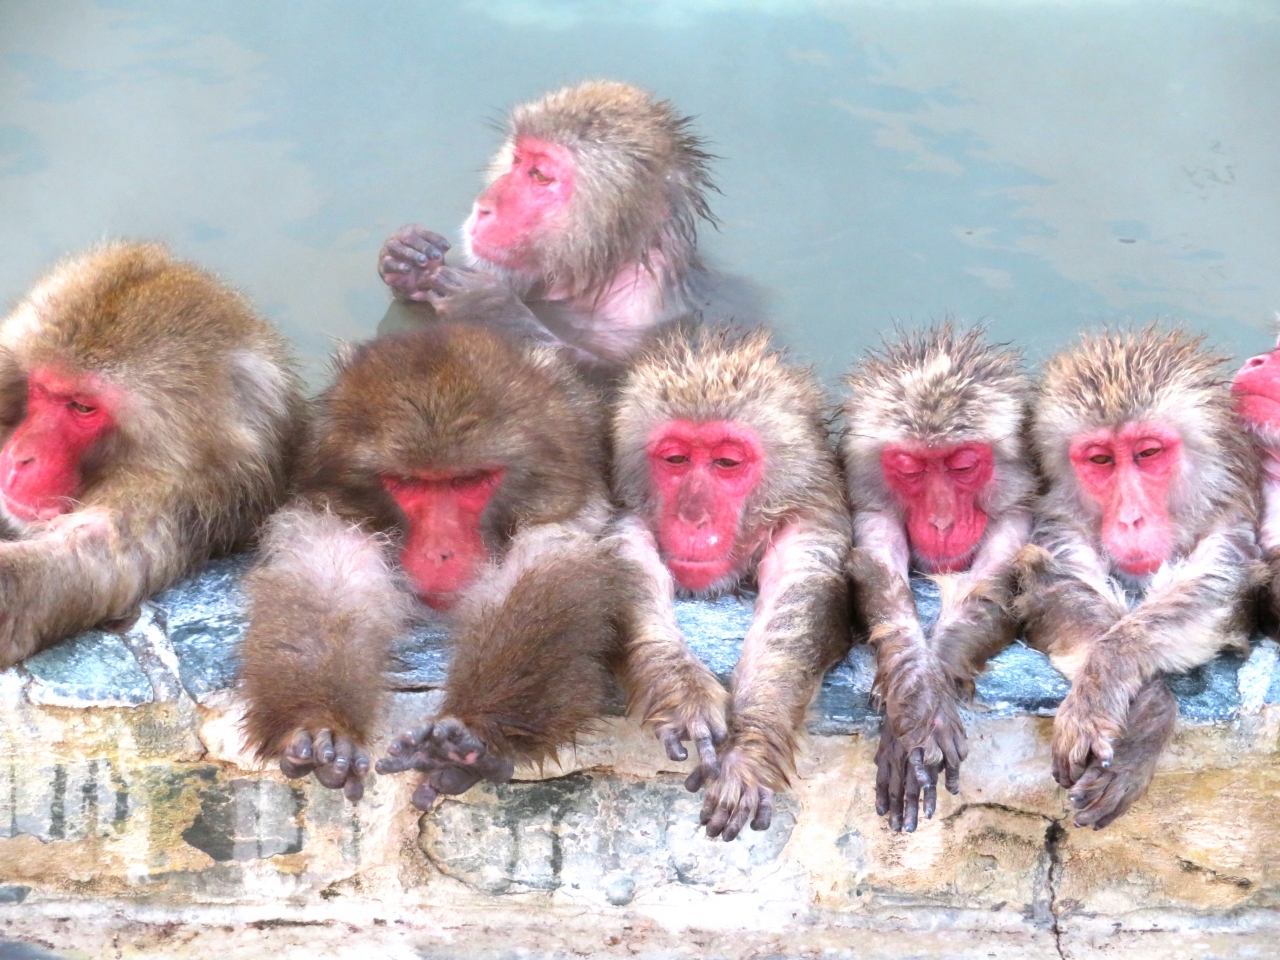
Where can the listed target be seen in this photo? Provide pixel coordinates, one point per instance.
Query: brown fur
(939, 387)
(534, 635)
(1079, 608)
(798, 510)
(198, 458)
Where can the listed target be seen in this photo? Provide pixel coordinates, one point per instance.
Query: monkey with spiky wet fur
(725, 471)
(467, 469)
(585, 238)
(1143, 550)
(940, 483)
(147, 416)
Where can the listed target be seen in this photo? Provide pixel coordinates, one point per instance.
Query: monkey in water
(727, 479)
(940, 484)
(1144, 548)
(585, 238)
(465, 469)
(147, 418)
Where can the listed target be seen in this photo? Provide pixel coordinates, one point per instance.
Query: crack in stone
(1054, 834)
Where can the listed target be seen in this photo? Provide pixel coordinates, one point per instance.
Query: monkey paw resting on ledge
(148, 419)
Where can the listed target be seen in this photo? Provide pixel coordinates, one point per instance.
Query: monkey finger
(424, 240)
(398, 250)
(343, 749)
(332, 776)
(910, 805)
(882, 788)
(354, 790)
(454, 780)
(390, 266)
(360, 763)
(395, 764)
(294, 770)
(926, 778)
(1105, 751)
(896, 785)
(424, 796)
(719, 819)
(744, 812)
(675, 749)
(409, 741)
(694, 781)
(299, 750)
(764, 810)
(707, 754)
(953, 779)
(323, 749)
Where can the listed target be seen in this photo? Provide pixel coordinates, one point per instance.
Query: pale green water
(1043, 166)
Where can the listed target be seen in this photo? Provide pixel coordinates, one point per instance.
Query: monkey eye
(1149, 452)
(725, 463)
(676, 458)
(80, 408)
(1102, 458)
(539, 177)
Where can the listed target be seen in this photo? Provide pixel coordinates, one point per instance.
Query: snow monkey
(726, 474)
(939, 483)
(465, 469)
(146, 419)
(1143, 549)
(585, 237)
(1257, 392)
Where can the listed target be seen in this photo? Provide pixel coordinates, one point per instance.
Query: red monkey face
(444, 550)
(1257, 392)
(703, 473)
(937, 489)
(522, 205)
(42, 464)
(1127, 473)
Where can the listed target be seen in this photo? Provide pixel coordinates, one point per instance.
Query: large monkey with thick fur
(585, 237)
(147, 417)
(725, 470)
(1143, 552)
(939, 483)
(465, 469)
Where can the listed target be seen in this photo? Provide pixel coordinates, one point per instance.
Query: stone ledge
(125, 803)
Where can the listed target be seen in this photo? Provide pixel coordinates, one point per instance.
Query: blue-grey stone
(715, 629)
(206, 616)
(843, 704)
(94, 669)
(1210, 692)
(420, 659)
(1020, 680)
(13, 893)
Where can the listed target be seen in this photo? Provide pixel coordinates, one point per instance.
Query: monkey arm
(536, 640)
(668, 688)
(1193, 608)
(75, 572)
(800, 629)
(324, 608)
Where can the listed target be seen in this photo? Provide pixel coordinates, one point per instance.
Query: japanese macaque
(724, 468)
(465, 469)
(584, 239)
(146, 419)
(1257, 393)
(939, 484)
(1143, 552)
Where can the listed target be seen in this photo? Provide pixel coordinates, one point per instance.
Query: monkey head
(456, 437)
(590, 179)
(1257, 392)
(99, 386)
(934, 434)
(1137, 431)
(716, 442)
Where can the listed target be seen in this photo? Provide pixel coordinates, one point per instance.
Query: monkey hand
(337, 763)
(736, 796)
(453, 758)
(1086, 728)
(902, 776)
(1103, 794)
(695, 711)
(409, 261)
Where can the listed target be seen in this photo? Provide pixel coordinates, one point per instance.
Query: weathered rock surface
(130, 820)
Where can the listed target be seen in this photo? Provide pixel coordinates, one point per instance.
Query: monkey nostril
(1258, 361)
(27, 462)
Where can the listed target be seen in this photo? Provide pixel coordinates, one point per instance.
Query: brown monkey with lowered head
(466, 469)
(1143, 551)
(585, 237)
(939, 483)
(146, 419)
(725, 470)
